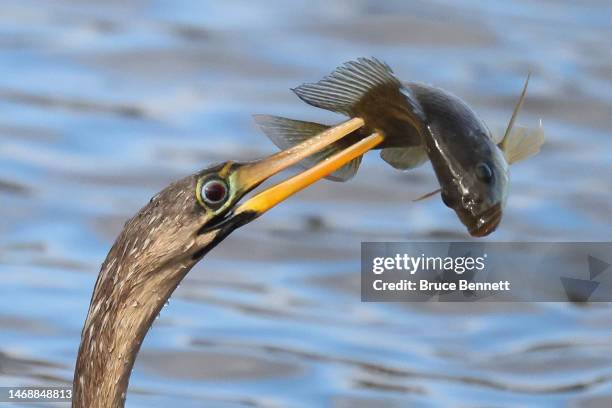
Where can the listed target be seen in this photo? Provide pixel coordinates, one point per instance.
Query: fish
(420, 123)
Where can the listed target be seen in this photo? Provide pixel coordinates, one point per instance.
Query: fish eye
(212, 191)
(484, 172)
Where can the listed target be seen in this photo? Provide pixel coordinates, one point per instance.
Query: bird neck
(124, 304)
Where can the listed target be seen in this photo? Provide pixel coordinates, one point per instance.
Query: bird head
(189, 217)
(166, 238)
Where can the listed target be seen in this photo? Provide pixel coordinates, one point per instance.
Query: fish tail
(286, 133)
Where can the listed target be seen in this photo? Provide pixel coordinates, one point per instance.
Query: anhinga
(165, 239)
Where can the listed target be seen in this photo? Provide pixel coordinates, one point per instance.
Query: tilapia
(419, 122)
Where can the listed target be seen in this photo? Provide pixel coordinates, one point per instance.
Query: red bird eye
(214, 191)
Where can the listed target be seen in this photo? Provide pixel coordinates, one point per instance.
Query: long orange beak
(245, 177)
(267, 199)
(249, 175)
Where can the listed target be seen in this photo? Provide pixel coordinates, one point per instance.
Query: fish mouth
(487, 222)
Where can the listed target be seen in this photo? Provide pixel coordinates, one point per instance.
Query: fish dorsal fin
(348, 85)
(523, 143)
(404, 158)
(428, 195)
(286, 133)
(517, 109)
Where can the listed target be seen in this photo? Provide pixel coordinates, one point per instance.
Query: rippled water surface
(104, 103)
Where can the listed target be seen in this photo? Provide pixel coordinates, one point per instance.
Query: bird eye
(484, 172)
(213, 191)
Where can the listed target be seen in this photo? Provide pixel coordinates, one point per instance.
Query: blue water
(104, 103)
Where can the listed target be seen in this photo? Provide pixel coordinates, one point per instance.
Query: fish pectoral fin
(286, 133)
(522, 143)
(404, 158)
(428, 195)
(515, 113)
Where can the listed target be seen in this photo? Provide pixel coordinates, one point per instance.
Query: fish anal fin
(404, 158)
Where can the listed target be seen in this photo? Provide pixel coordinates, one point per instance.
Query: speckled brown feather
(148, 260)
